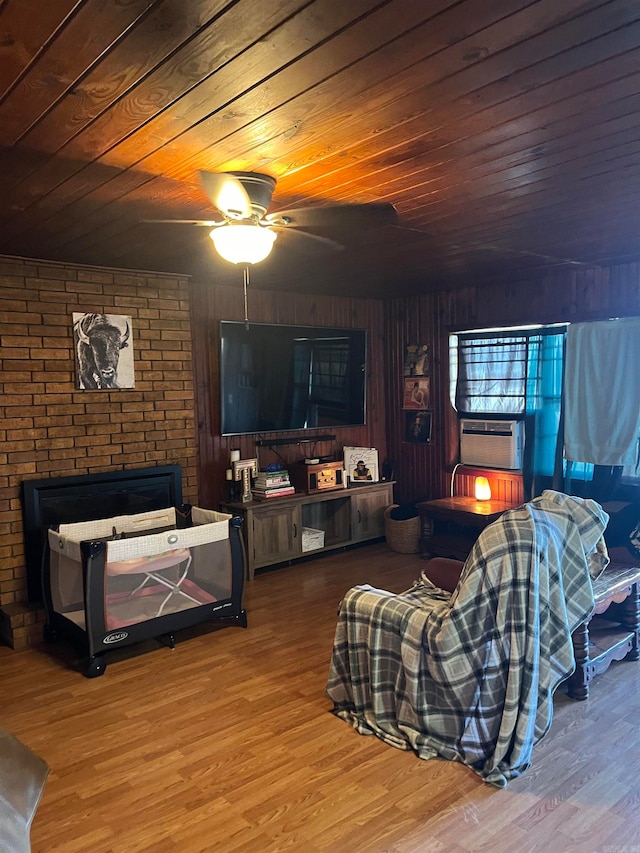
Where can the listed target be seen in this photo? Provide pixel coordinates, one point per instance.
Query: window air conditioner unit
(492, 444)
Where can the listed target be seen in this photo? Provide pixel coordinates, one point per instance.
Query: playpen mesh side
(66, 582)
(152, 576)
(145, 576)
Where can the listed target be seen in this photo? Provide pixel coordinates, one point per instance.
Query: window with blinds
(507, 372)
(492, 375)
(514, 372)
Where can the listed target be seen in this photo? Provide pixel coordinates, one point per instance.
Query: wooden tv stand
(273, 527)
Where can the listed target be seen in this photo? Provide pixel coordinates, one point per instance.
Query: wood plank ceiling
(505, 132)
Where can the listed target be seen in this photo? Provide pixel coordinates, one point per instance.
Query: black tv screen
(282, 378)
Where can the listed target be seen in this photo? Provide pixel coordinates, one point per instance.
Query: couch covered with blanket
(469, 676)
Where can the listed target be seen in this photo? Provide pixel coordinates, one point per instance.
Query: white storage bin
(312, 539)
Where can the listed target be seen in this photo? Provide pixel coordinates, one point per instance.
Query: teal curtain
(544, 464)
(544, 401)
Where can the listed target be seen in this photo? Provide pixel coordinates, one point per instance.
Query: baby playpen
(112, 582)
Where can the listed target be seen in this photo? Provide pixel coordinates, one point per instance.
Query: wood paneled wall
(582, 295)
(417, 467)
(505, 486)
(212, 303)
(420, 470)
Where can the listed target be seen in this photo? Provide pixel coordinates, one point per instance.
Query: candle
(229, 474)
(235, 456)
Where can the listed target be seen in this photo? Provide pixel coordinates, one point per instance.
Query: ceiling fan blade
(227, 194)
(206, 223)
(337, 216)
(303, 240)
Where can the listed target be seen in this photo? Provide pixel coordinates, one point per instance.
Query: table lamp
(482, 489)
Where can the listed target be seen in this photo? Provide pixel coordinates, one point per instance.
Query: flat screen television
(277, 378)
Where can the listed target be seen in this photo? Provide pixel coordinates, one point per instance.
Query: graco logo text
(116, 637)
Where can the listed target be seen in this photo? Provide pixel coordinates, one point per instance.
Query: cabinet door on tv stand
(367, 511)
(277, 533)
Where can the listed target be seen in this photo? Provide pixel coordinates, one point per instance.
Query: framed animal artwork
(103, 349)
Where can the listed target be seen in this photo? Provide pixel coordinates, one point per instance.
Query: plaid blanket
(470, 676)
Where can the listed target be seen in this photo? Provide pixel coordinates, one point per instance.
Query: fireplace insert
(64, 500)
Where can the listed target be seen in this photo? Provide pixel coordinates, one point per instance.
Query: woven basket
(403, 535)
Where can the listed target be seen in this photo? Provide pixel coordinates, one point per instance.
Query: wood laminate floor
(227, 744)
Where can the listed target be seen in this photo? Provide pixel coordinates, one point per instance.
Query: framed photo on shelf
(416, 393)
(417, 360)
(417, 427)
(361, 465)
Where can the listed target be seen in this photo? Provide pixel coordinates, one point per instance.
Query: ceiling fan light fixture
(242, 244)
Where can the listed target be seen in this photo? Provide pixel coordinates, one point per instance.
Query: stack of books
(272, 484)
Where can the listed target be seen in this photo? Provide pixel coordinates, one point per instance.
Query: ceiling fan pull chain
(245, 284)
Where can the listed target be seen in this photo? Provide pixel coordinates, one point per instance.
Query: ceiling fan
(245, 232)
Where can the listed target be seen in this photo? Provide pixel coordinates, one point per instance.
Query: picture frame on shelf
(417, 393)
(361, 465)
(418, 425)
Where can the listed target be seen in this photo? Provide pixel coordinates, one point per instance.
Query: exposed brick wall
(48, 428)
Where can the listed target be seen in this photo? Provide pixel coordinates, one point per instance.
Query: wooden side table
(450, 526)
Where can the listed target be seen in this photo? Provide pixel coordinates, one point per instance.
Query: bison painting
(99, 340)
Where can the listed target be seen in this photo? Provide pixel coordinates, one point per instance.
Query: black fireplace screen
(64, 500)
